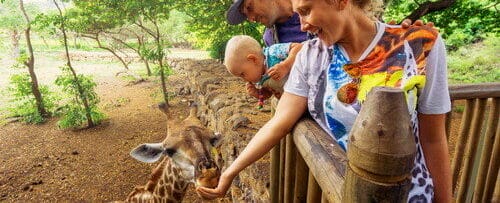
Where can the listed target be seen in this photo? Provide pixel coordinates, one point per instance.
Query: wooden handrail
(324, 157)
(474, 91)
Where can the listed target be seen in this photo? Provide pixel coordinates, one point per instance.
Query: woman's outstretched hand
(220, 191)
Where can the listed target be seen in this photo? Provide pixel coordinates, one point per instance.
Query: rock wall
(225, 107)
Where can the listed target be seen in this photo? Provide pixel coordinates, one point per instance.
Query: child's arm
(281, 69)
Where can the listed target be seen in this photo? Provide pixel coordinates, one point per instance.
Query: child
(266, 68)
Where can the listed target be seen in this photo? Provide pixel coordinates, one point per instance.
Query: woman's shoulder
(418, 37)
(413, 32)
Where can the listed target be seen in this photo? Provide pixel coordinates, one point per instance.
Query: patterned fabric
(397, 57)
(273, 55)
(276, 53)
(339, 116)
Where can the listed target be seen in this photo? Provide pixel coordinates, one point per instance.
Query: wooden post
(449, 118)
(381, 149)
(489, 139)
(282, 170)
(313, 190)
(456, 162)
(496, 193)
(324, 198)
(289, 169)
(470, 150)
(275, 173)
(301, 173)
(493, 169)
(275, 163)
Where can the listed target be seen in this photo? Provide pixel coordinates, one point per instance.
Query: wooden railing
(309, 166)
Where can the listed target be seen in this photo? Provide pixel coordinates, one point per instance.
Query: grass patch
(459, 108)
(476, 63)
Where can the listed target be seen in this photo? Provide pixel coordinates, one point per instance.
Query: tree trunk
(144, 59)
(160, 62)
(80, 89)
(15, 36)
(31, 65)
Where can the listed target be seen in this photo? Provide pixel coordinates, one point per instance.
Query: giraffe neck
(166, 184)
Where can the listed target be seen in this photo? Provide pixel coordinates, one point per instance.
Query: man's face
(262, 11)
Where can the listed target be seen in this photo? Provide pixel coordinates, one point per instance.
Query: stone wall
(225, 107)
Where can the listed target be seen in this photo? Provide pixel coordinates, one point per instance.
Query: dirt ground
(41, 163)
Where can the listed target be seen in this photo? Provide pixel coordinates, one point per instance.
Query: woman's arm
(435, 147)
(290, 108)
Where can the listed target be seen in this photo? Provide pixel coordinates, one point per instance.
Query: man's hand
(407, 23)
(254, 92)
(278, 71)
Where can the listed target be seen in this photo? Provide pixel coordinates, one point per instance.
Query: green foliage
(23, 102)
(209, 26)
(476, 63)
(73, 112)
(167, 70)
(465, 22)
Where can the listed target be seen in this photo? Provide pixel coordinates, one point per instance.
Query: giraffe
(189, 151)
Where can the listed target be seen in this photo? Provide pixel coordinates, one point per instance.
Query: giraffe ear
(149, 152)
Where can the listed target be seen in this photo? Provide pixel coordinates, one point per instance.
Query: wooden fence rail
(309, 166)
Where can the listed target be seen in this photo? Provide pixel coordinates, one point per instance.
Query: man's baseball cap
(234, 15)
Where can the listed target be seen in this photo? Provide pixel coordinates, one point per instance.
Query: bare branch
(429, 7)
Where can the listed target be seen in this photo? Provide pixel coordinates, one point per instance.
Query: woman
(376, 54)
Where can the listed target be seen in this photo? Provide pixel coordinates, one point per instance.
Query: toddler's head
(244, 58)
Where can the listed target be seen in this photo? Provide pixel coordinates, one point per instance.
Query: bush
(74, 114)
(23, 101)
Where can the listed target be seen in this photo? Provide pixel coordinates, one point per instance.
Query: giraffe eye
(170, 152)
(213, 141)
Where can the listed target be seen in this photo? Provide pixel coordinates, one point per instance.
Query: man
(282, 24)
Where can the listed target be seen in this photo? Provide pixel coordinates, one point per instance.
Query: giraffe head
(192, 148)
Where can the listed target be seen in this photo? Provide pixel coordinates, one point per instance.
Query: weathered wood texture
(301, 176)
(474, 91)
(486, 155)
(313, 189)
(470, 150)
(461, 141)
(381, 149)
(290, 159)
(275, 174)
(326, 160)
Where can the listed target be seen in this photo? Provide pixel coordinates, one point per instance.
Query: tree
(461, 23)
(30, 63)
(12, 20)
(208, 23)
(83, 105)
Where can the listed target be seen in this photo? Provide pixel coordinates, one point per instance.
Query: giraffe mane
(156, 175)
